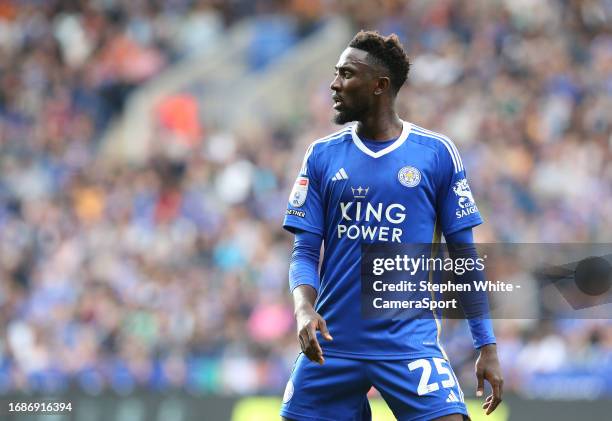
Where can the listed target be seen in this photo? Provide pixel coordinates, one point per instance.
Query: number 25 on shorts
(425, 365)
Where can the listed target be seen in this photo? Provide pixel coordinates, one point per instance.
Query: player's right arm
(308, 322)
(305, 219)
(304, 283)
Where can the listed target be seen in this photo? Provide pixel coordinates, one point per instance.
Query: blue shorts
(415, 390)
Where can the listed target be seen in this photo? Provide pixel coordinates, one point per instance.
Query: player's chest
(408, 180)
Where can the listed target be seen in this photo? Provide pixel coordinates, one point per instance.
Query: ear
(382, 84)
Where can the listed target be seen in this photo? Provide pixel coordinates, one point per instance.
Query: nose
(335, 84)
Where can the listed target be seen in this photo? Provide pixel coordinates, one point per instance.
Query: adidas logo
(340, 175)
(452, 397)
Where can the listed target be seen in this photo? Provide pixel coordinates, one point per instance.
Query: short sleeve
(305, 208)
(456, 208)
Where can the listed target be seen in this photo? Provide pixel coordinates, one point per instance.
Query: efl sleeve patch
(300, 190)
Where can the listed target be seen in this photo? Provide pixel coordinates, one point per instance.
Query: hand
(487, 367)
(308, 322)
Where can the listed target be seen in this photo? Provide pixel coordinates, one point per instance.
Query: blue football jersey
(410, 191)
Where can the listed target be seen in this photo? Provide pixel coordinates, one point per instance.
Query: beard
(347, 115)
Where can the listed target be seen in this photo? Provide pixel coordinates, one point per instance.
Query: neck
(382, 125)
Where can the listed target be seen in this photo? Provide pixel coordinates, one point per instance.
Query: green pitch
(266, 409)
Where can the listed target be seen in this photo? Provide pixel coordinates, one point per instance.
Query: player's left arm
(488, 367)
(457, 214)
(476, 308)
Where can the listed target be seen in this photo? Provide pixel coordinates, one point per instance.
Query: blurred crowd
(173, 273)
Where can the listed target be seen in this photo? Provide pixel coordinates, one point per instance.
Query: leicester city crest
(409, 176)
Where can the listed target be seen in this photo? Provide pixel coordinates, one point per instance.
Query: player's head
(369, 72)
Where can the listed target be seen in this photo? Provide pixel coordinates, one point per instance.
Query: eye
(344, 73)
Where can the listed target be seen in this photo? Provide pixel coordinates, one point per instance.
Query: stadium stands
(172, 272)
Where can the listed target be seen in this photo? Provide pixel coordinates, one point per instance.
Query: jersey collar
(400, 140)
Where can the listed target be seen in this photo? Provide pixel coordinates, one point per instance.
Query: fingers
(324, 331)
(305, 343)
(497, 395)
(302, 343)
(308, 348)
(313, 343)
(480, 386)
(498, 388)
(309, 343)
(490, 404)
(493, 400)
(487, 402)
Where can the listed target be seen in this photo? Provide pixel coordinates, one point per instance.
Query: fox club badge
(409, 176)
(299, 192)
